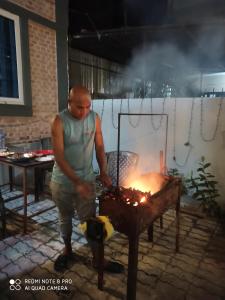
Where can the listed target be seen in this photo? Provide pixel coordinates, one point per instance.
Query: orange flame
(143, 199)
(149, 182)
(140, 185)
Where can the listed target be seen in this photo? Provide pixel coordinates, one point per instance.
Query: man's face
(80, 105)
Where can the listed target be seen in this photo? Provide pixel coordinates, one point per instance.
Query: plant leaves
(207, 165)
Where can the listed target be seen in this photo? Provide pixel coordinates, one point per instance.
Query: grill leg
(132, 267)
(150, 232)
(177, 224)
(95, 237)
(10, 178)
(100, 265)
(161, 222)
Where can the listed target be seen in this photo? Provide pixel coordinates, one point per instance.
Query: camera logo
(15, 284)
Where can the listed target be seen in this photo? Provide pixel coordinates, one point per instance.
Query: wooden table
(34, 165)
(132, 221)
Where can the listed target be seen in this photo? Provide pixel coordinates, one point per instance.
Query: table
(24, 166)
(132, 221)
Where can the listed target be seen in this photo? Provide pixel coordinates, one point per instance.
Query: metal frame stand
(118, 138)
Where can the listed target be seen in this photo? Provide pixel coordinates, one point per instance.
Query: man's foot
(61, 263)
(111, 267)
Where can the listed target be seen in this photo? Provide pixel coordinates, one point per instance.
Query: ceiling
(116, 29)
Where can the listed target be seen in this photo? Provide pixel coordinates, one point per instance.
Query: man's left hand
(105, 180)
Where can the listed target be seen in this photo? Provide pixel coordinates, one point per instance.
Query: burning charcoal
(128, 196)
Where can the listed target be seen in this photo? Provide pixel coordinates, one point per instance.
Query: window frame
(20, 99)
(24, 107)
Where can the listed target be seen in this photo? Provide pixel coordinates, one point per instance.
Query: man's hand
(85, 189)
(105, 180)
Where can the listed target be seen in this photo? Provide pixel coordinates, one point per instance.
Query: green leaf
(202, 199)
(207, 165)
(196, 194)
(216, 195)
(202, 184)
(212, 182)
(209, 175)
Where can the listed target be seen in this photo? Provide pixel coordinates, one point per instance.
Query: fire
(140, 186)
(143, 199)
(149, 182)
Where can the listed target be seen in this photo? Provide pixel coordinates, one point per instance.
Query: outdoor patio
(196, 272)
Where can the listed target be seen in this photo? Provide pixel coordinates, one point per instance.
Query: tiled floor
(196, 272)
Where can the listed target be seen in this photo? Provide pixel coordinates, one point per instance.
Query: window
(11, 85)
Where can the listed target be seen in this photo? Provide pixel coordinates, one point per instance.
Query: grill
(132, 212)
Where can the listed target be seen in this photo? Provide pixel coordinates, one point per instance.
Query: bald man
(75, 133)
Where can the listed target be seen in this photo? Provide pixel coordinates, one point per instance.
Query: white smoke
(158, 65)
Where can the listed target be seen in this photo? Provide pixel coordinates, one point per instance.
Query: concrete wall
(148, 138)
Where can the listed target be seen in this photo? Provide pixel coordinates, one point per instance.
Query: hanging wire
(139, 117)
(187, 143)
(161, 117)
(112, 113)
(217, 122)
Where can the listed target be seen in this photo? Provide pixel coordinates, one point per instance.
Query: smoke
(155, 68)
(210, 44)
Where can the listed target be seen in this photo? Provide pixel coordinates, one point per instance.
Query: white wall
(148, 142)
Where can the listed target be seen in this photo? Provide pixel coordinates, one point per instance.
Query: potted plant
(204, 187)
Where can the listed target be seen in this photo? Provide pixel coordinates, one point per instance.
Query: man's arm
(100, 154)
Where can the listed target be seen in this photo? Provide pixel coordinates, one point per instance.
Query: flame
(143, 199)
(139, 185)
(149, 182)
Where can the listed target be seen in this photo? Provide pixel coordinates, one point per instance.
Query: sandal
(61, 263)
(112, 267)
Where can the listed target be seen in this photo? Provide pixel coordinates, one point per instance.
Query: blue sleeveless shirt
(78, 147)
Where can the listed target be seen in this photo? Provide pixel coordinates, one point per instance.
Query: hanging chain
(139, 117)
(187, 143)
(217, 122)
(161, 117)
(112, 112)
(103, 108)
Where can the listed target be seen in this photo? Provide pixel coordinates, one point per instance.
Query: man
(75, 133)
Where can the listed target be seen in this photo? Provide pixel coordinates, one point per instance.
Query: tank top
(78, 147)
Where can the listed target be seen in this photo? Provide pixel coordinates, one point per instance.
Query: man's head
(79, 102)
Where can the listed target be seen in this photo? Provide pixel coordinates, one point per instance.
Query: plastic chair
(127, 164)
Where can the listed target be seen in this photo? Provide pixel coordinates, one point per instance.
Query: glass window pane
(8, 65)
